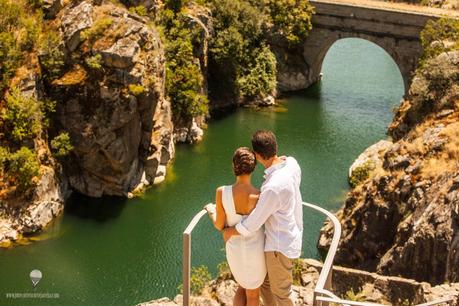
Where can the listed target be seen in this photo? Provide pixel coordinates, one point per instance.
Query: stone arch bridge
(395, 28)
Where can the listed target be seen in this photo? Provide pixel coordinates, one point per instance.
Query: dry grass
(74, 77)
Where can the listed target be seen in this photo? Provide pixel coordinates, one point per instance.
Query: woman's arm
(220, 220)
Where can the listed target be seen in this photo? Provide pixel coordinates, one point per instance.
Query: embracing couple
(261, 259)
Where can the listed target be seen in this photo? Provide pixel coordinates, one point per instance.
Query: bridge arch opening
(354, 61)
(382, 49)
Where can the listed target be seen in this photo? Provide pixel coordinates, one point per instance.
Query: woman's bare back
(245, 198)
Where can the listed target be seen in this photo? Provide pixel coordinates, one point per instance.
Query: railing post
(187, 256)
(186, 268)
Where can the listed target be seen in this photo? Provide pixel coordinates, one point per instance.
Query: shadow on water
(98, 209)
(314, 92)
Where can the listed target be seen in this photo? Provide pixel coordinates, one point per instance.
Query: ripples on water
(118, 252)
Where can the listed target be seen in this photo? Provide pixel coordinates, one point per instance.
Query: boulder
(373, 154)
(74, 20)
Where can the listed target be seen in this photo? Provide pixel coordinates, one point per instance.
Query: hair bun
(244, 161)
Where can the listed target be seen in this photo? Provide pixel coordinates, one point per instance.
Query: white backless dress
(245, 255)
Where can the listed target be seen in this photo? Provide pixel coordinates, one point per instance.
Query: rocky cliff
(402, 217)
(112, 100)
(104, 68)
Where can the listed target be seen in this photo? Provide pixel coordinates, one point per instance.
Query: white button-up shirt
(280, 209)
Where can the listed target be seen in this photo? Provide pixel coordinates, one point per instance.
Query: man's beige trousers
(277, 287)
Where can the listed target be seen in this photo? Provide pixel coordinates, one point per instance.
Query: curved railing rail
(323, 295)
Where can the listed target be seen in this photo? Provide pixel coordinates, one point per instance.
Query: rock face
(27, 216)
(292, 69)
(350, 284)
(114, 110)
(404, 219)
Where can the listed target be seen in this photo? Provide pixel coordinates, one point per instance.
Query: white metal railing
(322, 292)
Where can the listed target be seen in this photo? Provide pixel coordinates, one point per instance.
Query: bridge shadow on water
(97, 209)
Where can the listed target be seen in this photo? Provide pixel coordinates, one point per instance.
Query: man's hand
(229, 232)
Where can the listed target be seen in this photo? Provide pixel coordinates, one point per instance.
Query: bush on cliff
(19, 168)
(200, 276)
(19, 31)
(183, 76)
(50, 54)
(439, 36)
(25, 117)
(61, 145)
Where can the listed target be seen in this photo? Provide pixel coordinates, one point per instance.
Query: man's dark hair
(264, 143)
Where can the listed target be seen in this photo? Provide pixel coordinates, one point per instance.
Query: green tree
(290, 18)
(61, 145)
(261, 78)
(183, 76)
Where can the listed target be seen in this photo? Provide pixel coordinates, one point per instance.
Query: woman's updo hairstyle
(244, 161)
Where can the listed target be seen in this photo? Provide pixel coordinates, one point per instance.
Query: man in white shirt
(280, 209)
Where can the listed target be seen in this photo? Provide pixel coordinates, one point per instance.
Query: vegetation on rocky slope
(24, 117)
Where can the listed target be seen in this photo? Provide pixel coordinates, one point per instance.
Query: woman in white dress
(245, 255)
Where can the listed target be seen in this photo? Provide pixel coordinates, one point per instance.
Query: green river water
(121, 252)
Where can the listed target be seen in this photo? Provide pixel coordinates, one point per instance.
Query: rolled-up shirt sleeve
(266, 206)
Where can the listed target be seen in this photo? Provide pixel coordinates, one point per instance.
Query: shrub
(290, 18)
(261, 79)
(224, 271)
(353, 296)
(51, 55)
(200, 276)
(136, 90)
(25, 117)
(19, 30)
(10, 57)
(139, 10)
(22, 115)
(97, 29)
(296, 271)
(361, 173)
(61, 145)
(439, 36)
(4, 153)
(22, 167)
(94, 62)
